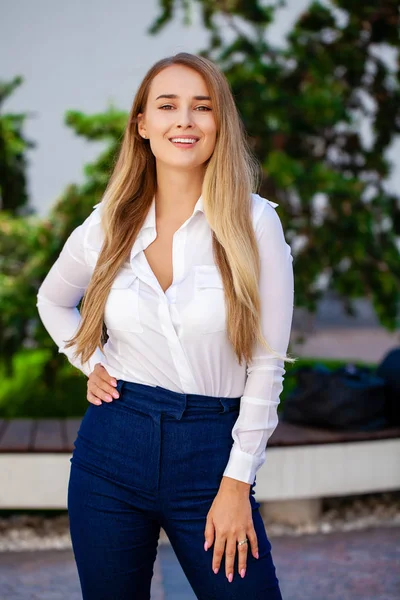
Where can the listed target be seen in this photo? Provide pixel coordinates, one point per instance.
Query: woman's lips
(184, 142)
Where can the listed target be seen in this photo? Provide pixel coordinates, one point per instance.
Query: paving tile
(353, 565)
(49, 575)
(175, 584)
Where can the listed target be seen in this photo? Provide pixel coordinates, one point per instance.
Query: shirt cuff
(88, 366)
(243, 466)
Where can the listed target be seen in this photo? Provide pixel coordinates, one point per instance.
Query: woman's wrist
(235, 484)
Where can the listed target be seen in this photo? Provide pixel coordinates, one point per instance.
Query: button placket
(178, 355)
(178, 253)
(178, 264)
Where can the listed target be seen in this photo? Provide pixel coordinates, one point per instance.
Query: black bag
(348, 398)
(389, 370)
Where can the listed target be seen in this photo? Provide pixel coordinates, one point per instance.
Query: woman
(194, 279)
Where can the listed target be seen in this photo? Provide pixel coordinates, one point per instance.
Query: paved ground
(356, 565)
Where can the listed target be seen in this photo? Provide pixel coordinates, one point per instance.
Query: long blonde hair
(230, 176)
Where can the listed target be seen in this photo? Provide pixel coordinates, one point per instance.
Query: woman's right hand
(101, 386)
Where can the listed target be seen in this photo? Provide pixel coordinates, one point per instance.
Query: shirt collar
(147, 232)
(199, 206)
(150, 220)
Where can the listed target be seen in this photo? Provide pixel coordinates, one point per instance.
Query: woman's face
(178, 119)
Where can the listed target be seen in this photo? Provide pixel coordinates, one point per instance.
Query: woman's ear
(141, 125)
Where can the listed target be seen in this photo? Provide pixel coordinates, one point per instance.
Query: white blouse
(177, 339)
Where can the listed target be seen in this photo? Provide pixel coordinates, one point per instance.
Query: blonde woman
(190, 272)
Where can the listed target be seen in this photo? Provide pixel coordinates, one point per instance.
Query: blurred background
(317, 85)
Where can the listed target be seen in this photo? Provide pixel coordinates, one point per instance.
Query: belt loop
(230, 404)
(224, 404)
(178, 412)
(185, 397)
(120, 384)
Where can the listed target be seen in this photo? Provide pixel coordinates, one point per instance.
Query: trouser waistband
(163, 400)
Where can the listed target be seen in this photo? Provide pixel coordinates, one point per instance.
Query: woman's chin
(179, 163)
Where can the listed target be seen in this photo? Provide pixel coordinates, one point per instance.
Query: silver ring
(243, 542)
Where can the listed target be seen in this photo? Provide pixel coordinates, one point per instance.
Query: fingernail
(216, 570)
(256, 554)
(115, 395)
(114, 383)
(108, 398)
(230, 577)
(242, 573)
(205, 546)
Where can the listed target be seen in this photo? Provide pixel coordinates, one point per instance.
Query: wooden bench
(302, 464)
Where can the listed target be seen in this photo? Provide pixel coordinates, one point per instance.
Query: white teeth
(184, 140)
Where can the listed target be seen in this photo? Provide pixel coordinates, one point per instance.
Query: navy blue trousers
(154, 458)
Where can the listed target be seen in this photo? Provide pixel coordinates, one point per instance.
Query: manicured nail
(115, 395)
(205, 546)
(108, 398)
(256, 554)
(242, 573)
(114, 383)
(216, 570)
(230, 577)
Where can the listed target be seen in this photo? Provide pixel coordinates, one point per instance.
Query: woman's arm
(60, 293)
(258, 416)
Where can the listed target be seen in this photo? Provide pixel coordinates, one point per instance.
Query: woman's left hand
(229, 521)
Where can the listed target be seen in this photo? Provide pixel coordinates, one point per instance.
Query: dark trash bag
(348, 398)
(389, 370)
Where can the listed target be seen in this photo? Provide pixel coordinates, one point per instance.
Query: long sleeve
(258, 416)
(60, 293)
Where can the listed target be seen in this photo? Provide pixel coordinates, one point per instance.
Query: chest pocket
(208, 314)
(122, 306)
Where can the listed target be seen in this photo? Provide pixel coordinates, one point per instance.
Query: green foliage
(29, 246)
(13, 147)
(303, 108)
(26, 394)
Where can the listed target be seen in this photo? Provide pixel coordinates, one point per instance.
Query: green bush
(26, 393)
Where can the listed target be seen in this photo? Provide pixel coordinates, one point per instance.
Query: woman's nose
(185, 118)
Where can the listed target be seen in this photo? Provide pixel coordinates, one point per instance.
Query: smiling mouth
(184, 142)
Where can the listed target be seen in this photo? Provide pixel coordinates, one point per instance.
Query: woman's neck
(177, 192)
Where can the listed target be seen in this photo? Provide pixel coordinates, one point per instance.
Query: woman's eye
(169, 106)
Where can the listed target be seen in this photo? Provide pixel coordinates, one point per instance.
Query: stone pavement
(353, 565)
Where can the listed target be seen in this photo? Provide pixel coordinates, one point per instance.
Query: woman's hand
(229, 521)
(101, 386)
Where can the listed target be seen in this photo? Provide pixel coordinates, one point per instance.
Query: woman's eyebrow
(173, 96)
